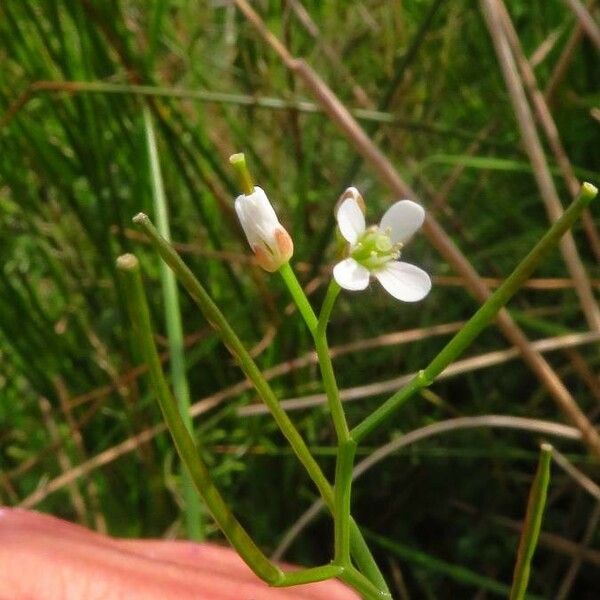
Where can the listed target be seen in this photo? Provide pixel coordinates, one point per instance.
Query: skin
(42, 557)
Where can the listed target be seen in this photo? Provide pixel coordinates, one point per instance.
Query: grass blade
(193, 511)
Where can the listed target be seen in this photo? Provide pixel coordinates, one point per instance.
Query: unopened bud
(270, 242)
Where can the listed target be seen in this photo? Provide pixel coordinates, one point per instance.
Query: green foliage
(73, 170)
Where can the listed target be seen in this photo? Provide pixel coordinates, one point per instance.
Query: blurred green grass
(73, 170)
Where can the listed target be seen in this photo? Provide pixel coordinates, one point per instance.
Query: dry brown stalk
(435, 233)
(75, 432)
(542, 283)
(585, 373)
(535, 283)
(313, 29)
(564, 590)
(548, 540)
(473, 363)
(533, 147)
(538, 56)
(586, 21)
(548, 125)
(84, 468)
(206, 404)
(63, 459)
(564, 61)
(572, 471)
(553, 136)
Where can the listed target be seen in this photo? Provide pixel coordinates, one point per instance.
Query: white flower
(375, 250)
(270, 242)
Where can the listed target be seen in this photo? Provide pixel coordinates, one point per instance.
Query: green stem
(342, 501)
(360, 583)
(360, 550)
(186, 447)
(299, 297)
(333, 291)
(310, 575)
(363, 558)
(193, 512)
(457, 345)
(238, 162)
(318, 328)
(346, 448)
(532, 524)
(329, 382)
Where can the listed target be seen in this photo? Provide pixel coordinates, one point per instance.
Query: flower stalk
(359, 549)
(128, 266)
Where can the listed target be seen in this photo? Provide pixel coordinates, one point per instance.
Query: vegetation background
(78, 424)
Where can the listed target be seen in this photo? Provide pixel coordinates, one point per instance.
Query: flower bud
(270, 242)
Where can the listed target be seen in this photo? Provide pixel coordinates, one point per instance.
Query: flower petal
(257, 217)
(350, 275)
(351, 220)
(404, 281)
(402, 219)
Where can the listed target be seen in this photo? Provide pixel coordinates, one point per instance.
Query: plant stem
(346, 530)
(345, 527)
(532, 525)
(310, 575)
(186, 447)
(361, 553)
(342, 501)
(346, 446)
(299, 297)
(238, 162)
(317, 328)
(322, 347)
(360, 583)
(458, 344)
(192, 507)
(215, 317)
(140, 317)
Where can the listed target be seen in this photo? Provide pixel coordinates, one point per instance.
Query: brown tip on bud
(127, 262)
(351, 192)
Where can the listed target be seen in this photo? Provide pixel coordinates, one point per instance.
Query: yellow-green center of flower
(374, 249)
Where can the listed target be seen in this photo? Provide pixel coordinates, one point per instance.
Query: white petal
(403, 218)
(257, 217)
(350, 219)
(350, 275)
(404, 281)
